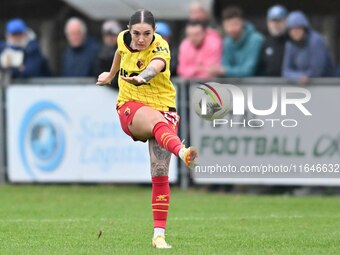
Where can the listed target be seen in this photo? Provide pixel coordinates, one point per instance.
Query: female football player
(146, 107)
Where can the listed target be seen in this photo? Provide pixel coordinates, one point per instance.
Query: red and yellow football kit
(158, 93)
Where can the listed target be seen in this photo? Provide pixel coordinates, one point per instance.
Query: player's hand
(135, 80)
(216, 70)
(303, 80)
(104, 78)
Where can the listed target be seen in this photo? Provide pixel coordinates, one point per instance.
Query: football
(211, 101)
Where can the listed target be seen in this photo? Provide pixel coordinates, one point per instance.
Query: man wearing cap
(20, 54)
(110, 31)
(273, 47)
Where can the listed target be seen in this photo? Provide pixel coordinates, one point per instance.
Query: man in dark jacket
(306, 54)
(110, 31)
(273, 47)
(20, 54)
(81, 54)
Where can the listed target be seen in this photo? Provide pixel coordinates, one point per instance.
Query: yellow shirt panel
(159, 93)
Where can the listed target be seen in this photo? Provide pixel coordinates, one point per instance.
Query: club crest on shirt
(127, 111)
(140, 63)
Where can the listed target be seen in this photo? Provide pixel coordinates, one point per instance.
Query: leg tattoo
(160, 159)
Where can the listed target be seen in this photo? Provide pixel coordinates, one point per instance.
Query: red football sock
(160, 200)
(167, 137)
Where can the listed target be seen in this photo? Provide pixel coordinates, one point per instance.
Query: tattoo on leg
(160, 159)
(148, 73)
(159, 169)
(159, 152)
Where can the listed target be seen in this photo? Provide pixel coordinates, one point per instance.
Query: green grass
(67, 220)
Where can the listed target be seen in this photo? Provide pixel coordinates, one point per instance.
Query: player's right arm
(106, 77)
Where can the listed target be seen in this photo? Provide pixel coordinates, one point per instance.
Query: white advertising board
(306, 153)
(71, 134)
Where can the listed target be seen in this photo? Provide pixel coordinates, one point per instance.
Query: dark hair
(232, 12)
(142, 16)
(201, 23)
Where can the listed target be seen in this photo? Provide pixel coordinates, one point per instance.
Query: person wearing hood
(274, 44)
(306, 53)
(242, 46)
(20, 54)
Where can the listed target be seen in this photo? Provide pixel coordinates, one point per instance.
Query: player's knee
(156, 119)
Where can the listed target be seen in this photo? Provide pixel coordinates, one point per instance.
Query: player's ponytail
(142, 16)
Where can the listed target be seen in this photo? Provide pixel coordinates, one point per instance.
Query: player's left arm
(154, 68)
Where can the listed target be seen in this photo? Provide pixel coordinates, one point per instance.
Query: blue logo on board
(42, 137)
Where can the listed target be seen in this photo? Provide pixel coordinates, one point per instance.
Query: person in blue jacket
(306, 53)
(80, 56)
(20, 54)
(164, 30)
(241, 47)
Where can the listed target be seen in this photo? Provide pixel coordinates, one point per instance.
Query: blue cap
(277, 12)
(16, 26)
(163, 29)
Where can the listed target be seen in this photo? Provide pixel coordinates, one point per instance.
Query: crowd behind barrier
(234, 48)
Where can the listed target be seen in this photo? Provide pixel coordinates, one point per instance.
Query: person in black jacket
(82, 50)
(274, 44)
(110, 31)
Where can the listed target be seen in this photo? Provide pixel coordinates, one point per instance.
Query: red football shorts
(127, 111)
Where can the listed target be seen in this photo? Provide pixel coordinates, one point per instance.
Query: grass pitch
(117, 220)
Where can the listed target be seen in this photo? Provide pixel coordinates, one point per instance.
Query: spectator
(110, 31)
(242, 46)
(198, 51)
(199, 12)
(20, 53)
(81, 54)
(274, 44)
(164, 30)
(306, 54)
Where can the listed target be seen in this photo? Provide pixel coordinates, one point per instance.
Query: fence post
(184, 129)
(4, 80)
